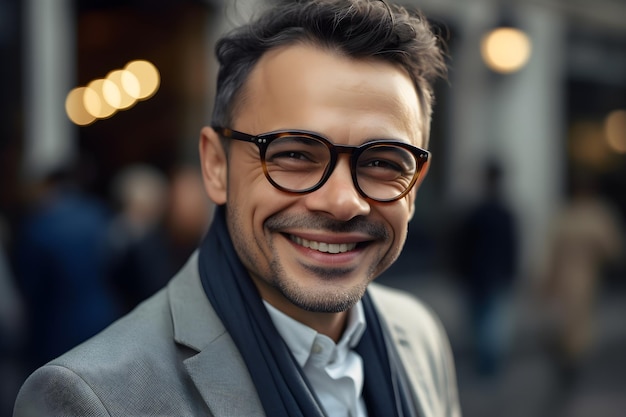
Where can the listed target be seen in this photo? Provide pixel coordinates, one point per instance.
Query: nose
(338, 197)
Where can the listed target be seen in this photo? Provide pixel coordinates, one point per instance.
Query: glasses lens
(296, 162)
(385, 171)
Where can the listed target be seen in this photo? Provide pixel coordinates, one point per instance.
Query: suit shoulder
(406, 314)
(56, 390)
(399, 303)
(149, 324)
(134, 367)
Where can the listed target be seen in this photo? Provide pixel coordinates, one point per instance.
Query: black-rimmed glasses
(301, 162)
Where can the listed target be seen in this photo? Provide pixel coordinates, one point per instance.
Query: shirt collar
(301, 339)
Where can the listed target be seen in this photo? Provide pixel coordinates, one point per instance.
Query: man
(314, 158)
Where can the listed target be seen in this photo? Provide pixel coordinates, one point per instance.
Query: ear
(416, 187)
(214, 166)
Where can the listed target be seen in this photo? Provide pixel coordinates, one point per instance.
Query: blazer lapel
(411, 353)
(217, 370)
(223, 381)
(415, 369)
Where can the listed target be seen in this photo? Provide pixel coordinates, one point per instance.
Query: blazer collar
(411, 351)
(217, 370)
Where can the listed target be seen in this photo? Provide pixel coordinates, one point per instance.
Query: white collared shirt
(335, 371)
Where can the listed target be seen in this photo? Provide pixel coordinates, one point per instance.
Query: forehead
(306, 87)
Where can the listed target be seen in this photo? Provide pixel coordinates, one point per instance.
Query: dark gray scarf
(280, 382)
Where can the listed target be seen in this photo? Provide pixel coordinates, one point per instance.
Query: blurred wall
(523, 119)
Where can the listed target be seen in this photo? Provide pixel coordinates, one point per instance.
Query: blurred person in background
(276, 313)
(487, 247)
(587, 235)
(178, 218)
(61, 259)
(140, 195)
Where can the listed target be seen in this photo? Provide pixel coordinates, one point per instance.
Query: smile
(323, 246)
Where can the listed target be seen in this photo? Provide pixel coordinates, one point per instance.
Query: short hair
(358, 29)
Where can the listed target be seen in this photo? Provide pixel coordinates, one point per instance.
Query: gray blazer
(172, 356)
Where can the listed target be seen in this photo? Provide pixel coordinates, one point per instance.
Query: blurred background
(518, 242)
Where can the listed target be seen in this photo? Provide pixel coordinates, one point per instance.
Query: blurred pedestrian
(586, 236)
(487, 249)
(140, 197)
(139, 194)
(151, 258)
(61, 264)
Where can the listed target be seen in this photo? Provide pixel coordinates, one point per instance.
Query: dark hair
(355, 28)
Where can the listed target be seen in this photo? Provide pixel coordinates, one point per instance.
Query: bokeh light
(111, 93)
(126, 100)
(95, 102)
(615, 130)
(119, 90)
(75, 108)
(147, 75)
(506, 50)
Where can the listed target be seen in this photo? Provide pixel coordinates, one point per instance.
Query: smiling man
(314, 157)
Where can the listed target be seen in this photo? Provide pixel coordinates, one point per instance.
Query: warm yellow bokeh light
(615, 130)
(95, 102)
(119, 90)
(126, 100)
(506, 50)
(587, 145)
(111, 93)
(92, 102)
(75, 108)
(148, 77)
(130, 84)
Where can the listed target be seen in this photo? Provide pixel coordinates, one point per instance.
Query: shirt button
(317, 348)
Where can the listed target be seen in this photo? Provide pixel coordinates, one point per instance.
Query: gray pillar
(528, 130)
(49, 58)
(516, 117)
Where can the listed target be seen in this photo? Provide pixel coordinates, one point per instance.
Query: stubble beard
(334, 299)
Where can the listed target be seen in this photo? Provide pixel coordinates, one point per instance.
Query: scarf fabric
(280, 382)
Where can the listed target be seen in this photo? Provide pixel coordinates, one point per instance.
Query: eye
(380, 170)
(296, 150)
(386, 163)
(380, 163)
(291, 155)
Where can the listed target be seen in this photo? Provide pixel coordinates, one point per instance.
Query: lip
(333, 238)
(326, 247)
(354, 243)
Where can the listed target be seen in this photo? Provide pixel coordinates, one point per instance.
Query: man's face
(288, 242)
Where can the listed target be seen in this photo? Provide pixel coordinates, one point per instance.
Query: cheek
(400, 230)
(246, 206)
(253, 199)
(398, 218)
(248, 189)
(243, 239)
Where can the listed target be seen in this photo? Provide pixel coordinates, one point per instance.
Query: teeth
(323, 246)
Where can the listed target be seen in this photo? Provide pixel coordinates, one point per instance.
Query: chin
(326, 300)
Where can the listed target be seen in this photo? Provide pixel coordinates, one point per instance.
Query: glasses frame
(263, 140)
